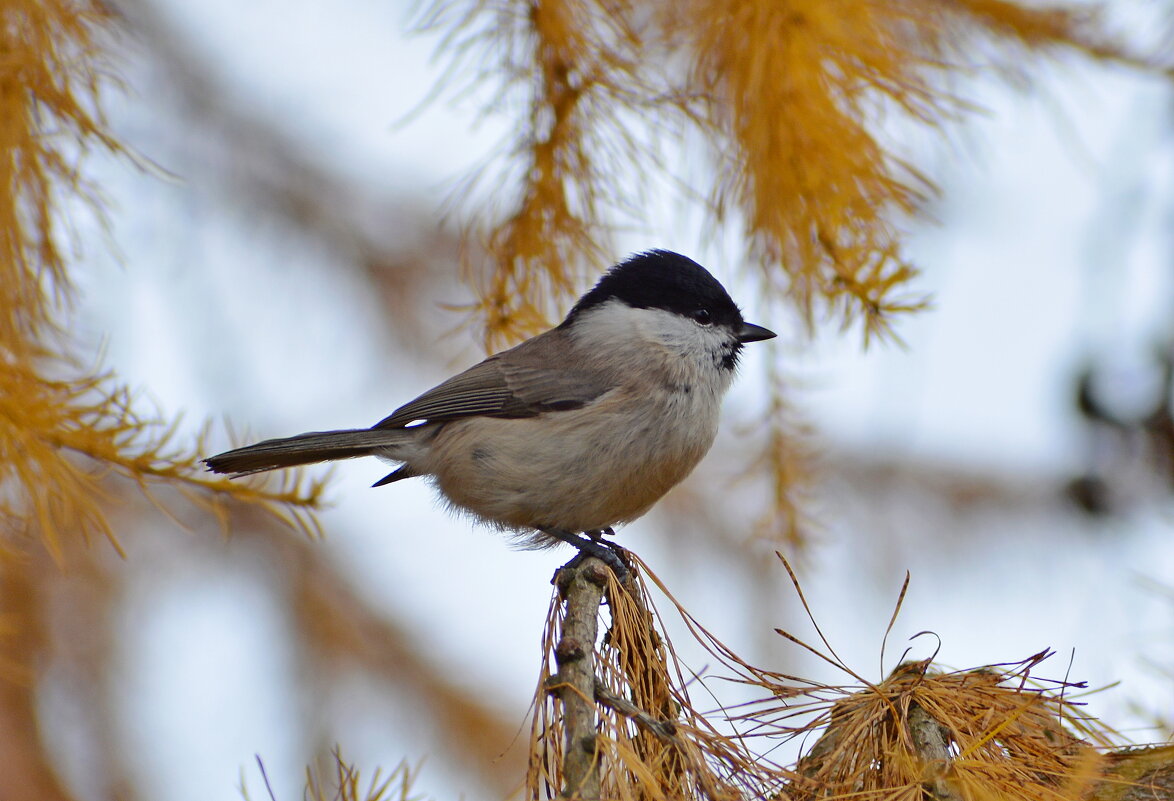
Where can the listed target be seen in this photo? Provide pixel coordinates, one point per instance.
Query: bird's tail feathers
(316, 446)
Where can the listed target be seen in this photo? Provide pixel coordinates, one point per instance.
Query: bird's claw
(593, 545)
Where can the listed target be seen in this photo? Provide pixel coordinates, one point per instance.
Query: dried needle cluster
(614, 718)
(616, 721)
(978, 734)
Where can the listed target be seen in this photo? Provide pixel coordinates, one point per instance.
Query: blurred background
(284, 256)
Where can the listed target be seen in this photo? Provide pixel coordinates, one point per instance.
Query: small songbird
(573, 431)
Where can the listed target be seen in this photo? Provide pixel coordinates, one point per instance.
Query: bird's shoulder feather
(530, 379)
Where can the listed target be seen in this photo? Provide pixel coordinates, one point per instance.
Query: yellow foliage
(795, 89)
(47, 77)
(578, 62)
(790, 95)
(63, 431)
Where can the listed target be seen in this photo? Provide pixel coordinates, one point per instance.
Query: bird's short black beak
(749, 332)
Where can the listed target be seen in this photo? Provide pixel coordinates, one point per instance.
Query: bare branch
(582, 588)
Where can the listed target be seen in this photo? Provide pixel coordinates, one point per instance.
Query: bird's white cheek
(700, 352)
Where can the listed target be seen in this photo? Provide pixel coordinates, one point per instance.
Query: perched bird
(573, 431)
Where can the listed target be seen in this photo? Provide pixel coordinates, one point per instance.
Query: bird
(572, 432)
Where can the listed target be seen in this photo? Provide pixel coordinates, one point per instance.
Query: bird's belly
(576, 470)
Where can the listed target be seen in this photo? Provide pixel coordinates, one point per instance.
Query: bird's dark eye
(702, 316)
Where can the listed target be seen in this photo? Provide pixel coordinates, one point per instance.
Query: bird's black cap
(661, 279)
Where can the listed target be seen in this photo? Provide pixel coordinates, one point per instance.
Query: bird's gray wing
(522, 382)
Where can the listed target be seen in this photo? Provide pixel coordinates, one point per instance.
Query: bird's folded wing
(499, 387)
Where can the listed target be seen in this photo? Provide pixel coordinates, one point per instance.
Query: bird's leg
(597, 535)
(592, 546)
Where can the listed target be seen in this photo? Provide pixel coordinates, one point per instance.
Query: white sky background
(216, 316)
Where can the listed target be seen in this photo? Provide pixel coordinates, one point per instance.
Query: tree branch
(581, 588)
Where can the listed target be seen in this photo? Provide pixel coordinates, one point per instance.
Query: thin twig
(664, 729)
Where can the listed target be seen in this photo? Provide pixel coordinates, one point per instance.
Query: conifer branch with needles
(64, 429)
(920, 733)
(785, 97)
(647, 739)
